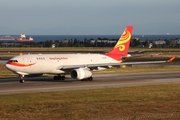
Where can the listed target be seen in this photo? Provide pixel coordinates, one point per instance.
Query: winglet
(171, 59)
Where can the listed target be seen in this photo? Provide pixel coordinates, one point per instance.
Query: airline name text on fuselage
(58, 58)
(52, 58)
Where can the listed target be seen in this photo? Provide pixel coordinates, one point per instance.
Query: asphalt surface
(45, 84)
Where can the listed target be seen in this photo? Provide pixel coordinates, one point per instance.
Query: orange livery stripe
(20, 64)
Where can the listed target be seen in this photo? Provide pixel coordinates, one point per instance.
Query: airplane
(78, 66)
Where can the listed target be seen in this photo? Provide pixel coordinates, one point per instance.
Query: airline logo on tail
(126, 36)
(122, 46)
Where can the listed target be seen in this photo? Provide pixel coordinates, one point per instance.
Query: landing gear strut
(59, 77)
(21, 79)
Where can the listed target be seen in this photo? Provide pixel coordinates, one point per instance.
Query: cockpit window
(13, 61)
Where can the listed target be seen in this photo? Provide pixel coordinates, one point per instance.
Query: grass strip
(143, 102)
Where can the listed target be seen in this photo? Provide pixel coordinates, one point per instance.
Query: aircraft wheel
(55, 77)
(90, 79)
(63, 77)
(21, 81)
(59, 77)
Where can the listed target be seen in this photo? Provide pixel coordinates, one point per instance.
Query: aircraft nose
(8, 66)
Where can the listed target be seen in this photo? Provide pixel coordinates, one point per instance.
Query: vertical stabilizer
(122, 46)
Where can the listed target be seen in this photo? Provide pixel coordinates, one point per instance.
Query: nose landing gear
(21, 79)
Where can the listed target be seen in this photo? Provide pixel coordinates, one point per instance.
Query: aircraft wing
(92, 66)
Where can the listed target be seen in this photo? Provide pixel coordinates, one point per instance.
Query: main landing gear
(21, 79)
(88, 79)
(59, 77)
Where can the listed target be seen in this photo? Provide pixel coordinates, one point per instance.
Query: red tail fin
(122, 46)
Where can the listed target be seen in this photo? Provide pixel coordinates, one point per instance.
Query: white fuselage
(54, 63)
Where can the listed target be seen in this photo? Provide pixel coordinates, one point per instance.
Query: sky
(88, 17)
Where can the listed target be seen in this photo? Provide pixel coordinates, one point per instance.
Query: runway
(46, 84)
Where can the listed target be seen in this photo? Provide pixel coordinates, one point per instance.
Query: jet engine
(80, 74)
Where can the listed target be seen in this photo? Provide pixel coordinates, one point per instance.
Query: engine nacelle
(80, 74)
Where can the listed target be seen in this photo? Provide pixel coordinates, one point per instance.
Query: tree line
(100, 42)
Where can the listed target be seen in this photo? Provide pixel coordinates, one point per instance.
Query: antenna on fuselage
(20, 53)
